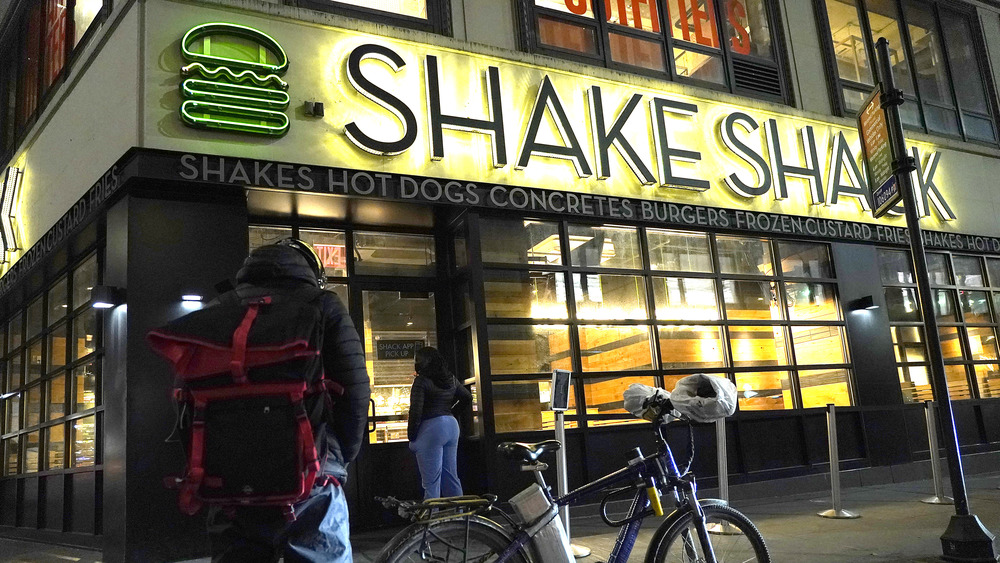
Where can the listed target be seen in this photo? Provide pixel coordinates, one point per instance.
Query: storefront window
(692, 346)
(824, 387)
(55, 398)
(388, 254)
(751, 300)
(755, 346)
(263, 236)
(84, 441)
(330, 247)
(84, 388)
(988, 380)
(615, 348)
(805, 260)
(679, 251)
(56, 344)
(12, 453)
(526, 295)
(524, 349)
(762, 391)
(55, 446)
(604, 247)
(84, 280)
(12, 413)
(57, 305)
(520, 406)
(31, 444)
(812, 301)
(968, 271)
(685, 299)
(604, 396)
(521, 242)
(741, 255)
(609, 297)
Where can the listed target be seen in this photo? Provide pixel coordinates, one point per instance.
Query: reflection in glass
(915, 383)
(636, 51)
(604, 396)
(805, 260)
(604, 247)
(740, 255)
(609, 297)
(12, 413)
(33, 406)
(699, 66)
(84, 14)
(823, 387)
(57, 301)
(747, 28)
(848, 41)
(567, 35)
(615, 348)
(895, 266)
(331, 248)
(57, 348)
(928, 58)
(812, 301)
(884, 22)
(84, 279)
(692, 299)
(937, 268)
(758, 346)
(15, 371)
(520, 406)
(993, 267)
(968, 271)
(55, 446)
(690, 346)
(521, 294)
(988, 380)
(11, 453)
(34, 318)
(15, 331)
(262, 236)
(764, 391)
(958, 382)
(55, 397)
(982, 342)
(819, 345)
(944, 305)
(342, 293)
(31, 450)
(84, 387)
(678, 251)
(693, 21)
(84, 441)
(529, 348)
(388, 254)
(908, 342)
(521, 242)
(751, 300)
(902, 304)
(975, 306)
(34, 361)
(951, 344)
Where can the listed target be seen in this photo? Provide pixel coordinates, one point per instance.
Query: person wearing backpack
(432, 428)
(318, 529)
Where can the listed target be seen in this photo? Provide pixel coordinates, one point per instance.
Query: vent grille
(756, 77)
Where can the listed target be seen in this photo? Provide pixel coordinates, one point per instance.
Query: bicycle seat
(520, 451)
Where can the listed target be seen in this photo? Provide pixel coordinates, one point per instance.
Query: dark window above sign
(936, 52)
(728, 45)
(428, 15)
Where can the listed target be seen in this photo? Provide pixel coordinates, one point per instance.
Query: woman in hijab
(432, 428)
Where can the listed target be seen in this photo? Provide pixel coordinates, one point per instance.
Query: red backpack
(250, 389)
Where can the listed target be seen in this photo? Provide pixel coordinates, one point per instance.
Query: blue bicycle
(475, 529)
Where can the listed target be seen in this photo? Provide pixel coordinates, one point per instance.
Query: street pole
(965, 539)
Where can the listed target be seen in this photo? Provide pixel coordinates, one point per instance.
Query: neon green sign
(234, 80)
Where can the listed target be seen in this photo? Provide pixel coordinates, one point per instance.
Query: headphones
(309, 253)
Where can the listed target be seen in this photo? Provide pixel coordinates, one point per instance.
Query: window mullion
(910, 61)
(947, 69)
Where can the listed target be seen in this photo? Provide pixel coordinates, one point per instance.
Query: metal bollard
(932, 442)
(562, 482)
(837, 511)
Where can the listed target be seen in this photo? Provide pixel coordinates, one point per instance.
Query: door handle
(371, 416)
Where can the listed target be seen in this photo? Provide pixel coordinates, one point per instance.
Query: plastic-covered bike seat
(520, 451)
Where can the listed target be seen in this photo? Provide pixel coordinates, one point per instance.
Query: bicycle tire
(442, 541)
(736, 540)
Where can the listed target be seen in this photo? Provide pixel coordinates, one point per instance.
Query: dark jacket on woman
(429, 399)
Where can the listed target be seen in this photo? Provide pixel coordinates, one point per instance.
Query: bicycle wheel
(734, 539)
(446, 541)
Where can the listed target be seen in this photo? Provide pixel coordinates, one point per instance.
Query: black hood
(275, 262)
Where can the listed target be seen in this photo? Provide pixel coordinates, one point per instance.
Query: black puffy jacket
(272, 270)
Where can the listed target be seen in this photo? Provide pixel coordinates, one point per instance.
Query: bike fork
(701, 526)
(629, 532)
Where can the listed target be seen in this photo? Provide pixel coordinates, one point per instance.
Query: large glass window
(726, 44)
(35, 46)
(617, 305)
(935, 54)
(52, 358)
(429, 15)
(966, 292)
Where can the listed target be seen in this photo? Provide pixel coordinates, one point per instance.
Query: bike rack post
(932, 442)
(562, 482)
(837, 511)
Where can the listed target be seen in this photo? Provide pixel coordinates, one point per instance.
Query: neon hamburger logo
(233, 80)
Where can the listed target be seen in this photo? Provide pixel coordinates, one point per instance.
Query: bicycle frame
(660, 465)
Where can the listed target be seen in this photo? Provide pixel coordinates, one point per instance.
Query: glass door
(396, 325)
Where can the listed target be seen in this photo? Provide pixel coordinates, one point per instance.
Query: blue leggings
(436, 448)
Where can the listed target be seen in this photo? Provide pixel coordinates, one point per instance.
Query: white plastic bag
(704, 398)
(642, 400)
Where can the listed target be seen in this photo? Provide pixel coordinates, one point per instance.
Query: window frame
(11, 41)
(438, 14)
(836, 85)
(529, 41)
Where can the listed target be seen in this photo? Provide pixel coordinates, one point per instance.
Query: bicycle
(696, 531)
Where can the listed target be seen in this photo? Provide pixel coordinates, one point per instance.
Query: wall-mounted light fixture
(8, 211)
(106, 296)
(862, 303)
(191, 297)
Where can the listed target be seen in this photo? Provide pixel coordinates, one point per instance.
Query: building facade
(632, 190)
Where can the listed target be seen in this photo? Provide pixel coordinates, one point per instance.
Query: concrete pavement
(894, 527)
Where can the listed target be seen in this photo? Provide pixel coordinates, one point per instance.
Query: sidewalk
(895, 527)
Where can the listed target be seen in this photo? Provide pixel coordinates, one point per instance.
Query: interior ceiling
(326, 207)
